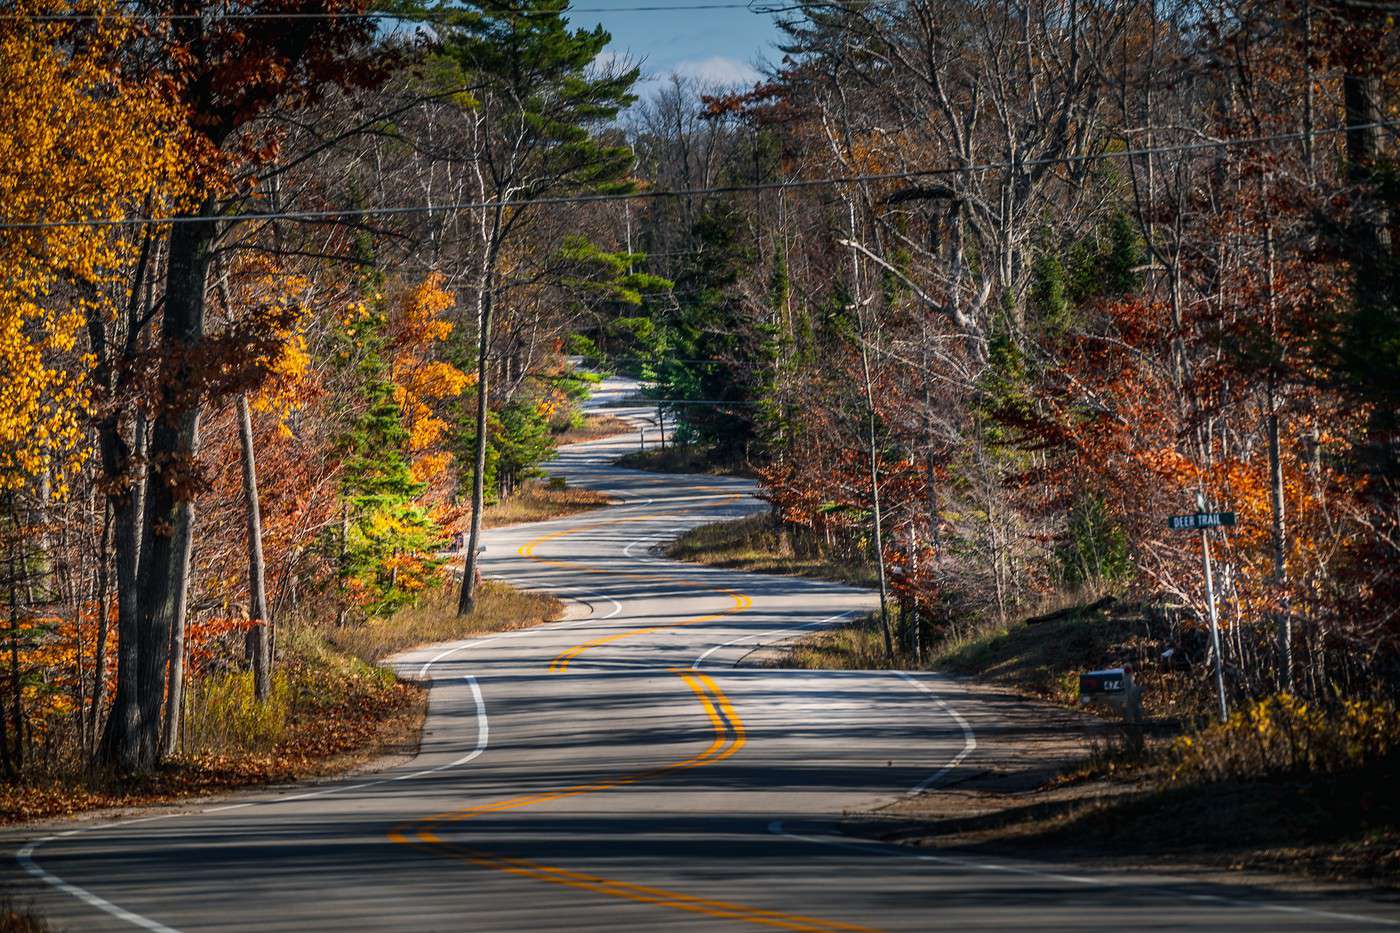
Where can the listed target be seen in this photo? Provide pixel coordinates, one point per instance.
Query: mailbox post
(1204, 521)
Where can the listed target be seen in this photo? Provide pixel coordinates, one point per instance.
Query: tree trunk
(466, 601)
(131, 739)
(99, 662)
(175, 704)
(122, 719)
(259, 641)
(870, 437)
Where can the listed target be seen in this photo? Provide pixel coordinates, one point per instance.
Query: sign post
(1204, 521)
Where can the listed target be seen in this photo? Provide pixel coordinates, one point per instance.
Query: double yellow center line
(729, 737)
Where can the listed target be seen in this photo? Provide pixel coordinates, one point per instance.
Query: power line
(657, 194)
(442, 15)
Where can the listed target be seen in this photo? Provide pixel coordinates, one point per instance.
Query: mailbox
(1113, 686)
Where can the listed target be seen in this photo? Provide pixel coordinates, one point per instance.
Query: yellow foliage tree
(420, 378)
(79, 147)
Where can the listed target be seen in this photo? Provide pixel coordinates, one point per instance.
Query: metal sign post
(1214, 625)
(1205, 521)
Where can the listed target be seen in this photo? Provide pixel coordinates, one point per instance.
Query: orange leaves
(420, 378)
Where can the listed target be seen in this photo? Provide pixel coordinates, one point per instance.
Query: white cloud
(717, 70)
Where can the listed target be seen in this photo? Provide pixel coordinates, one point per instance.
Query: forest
(981, 291)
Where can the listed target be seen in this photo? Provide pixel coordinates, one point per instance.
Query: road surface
(617, 771)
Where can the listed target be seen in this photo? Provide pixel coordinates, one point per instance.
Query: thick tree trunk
(259, 639)
(132, 738)
(123, 720)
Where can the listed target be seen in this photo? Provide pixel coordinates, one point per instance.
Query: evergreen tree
(716, 357)
(539, 110)
(387, 539)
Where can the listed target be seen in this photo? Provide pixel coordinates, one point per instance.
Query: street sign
(1201, 520)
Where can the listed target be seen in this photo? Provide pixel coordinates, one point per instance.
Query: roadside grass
(593, 428)
(683, 458)
(753, 544)
(541, 500)
(328, 712)
(1282, 786)
(858, 646)
(1343, 827)
(17, 919)
(500, 608)
(332, 708)
(1043, 660)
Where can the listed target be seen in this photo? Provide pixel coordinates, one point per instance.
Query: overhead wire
(709, 191)
(423, 16)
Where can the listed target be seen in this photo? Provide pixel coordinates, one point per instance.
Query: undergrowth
(755, 545)
(331, 706)
(592, 428)
(17, 919)
(683, 458)
(538, 501)
(499, 608)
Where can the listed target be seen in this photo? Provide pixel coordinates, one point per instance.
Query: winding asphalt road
(617, 771)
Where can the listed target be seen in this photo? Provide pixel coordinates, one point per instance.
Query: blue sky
(716, 44)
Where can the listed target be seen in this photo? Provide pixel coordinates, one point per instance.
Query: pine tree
(539, 108)
(387, 538)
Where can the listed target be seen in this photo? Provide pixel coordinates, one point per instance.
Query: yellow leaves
(78, 141)
(437, 379)
(430, 466)
(420, 378)
(1282, 734)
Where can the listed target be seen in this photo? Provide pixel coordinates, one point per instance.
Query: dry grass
(594, 428)
(683, 458)
(332, 709)
(541, 501)
(855, 647)
(753, 544)
(328, 713)
(499, 608)
(16, 919)
(1042, 661)
(1342, 827)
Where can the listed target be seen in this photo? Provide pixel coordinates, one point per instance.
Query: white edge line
(1171, 887)
(25, 857)
(25, 854)
(969, 737)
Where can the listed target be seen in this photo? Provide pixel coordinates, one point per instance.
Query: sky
(713, 45)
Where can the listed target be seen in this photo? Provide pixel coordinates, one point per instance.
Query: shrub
(1283, 735)
(222, 716)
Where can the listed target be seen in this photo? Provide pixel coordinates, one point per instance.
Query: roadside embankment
(684, 458)
(753, 544)
(332, 708)
(1283, 787)
(542, 500)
